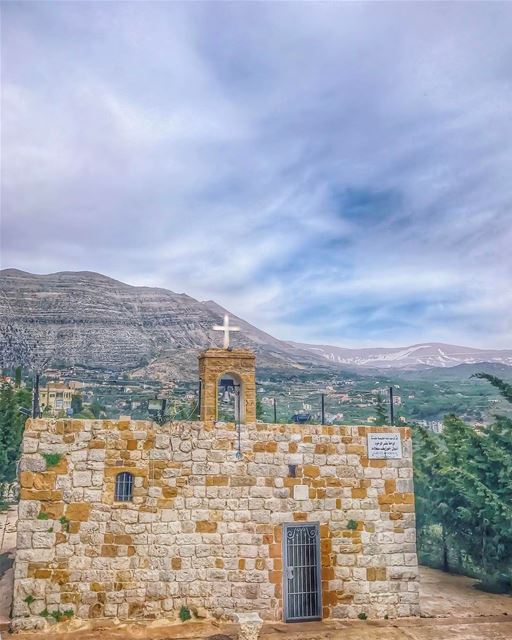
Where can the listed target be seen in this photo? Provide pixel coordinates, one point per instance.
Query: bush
(65, 523)
(185, 613)
(52, 459)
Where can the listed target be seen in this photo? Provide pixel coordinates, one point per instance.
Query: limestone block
(24, 540)
(32, 623)
(250, 625)
(28, 509)
(82, 478)
(32, 463)
(30, 445)
(162, 441)
(35, 555)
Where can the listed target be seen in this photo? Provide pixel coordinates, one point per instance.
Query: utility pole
(323, 408)
(391, 408)
(275, 412)
(35, 397)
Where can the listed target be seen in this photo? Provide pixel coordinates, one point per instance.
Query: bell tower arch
(239, 365)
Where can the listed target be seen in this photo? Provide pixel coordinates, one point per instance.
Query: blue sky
(337, 173)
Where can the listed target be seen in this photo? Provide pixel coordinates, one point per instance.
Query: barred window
(124, 487)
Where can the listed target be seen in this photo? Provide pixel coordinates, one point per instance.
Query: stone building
(55, 397)
(130, 519)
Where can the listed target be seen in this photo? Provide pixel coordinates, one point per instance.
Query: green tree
(76, 403)
(96, 408)
(463, 488)
(11, 432)
(381, 414)
(17, 377)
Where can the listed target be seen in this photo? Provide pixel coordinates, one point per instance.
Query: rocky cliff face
(90, 320)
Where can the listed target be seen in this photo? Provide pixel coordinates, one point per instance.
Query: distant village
(109, 394)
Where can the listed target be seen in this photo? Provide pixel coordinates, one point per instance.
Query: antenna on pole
(35, 397)
(275, 412)
(323, 408)
(391, 408)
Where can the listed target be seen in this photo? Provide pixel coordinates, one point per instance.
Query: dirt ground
(450, 608)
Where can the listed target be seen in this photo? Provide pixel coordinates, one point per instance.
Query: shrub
(29, 599)
(362, 615)
(185, 613)
(42, 516)
(52, 459)
(65, 523)
(57, 615)
(352, 524)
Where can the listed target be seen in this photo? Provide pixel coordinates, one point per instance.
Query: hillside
(89, 320)
(85, 319)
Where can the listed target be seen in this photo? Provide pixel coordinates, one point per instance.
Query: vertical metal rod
(238, 418)
(323, 408)
(391, 408)
(35, 397)
(275, 412)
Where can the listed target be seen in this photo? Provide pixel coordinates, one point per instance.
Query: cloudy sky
(336, 173)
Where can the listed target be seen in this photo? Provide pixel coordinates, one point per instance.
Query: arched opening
(124, 487)
(230, 398)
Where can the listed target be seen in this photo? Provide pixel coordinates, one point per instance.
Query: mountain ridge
(427, 354)
(84, 318)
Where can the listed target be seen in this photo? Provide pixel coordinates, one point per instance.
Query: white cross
(226, 327)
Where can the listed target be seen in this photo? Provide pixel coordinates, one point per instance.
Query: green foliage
(463, 487)
(29, 599)
(11, 432)
(76, 404)
(362, 616)
(57, 615)
(65, 523)
(17, 377)
(381, 414)
(185, 613)
(97, 409)
(189, 411)
(260, 410)
(43, 516)
(352, 525)
(52, 459)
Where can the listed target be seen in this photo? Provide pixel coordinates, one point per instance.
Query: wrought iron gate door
(302, 583)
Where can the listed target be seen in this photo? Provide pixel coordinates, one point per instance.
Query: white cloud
(162, 146)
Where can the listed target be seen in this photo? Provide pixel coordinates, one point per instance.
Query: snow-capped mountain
(433, 354)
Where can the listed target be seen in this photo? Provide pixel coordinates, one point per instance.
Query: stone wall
(204, 528)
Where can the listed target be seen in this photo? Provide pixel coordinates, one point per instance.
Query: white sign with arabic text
(384, 446)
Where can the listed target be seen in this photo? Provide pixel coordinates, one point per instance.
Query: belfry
(227, 368)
